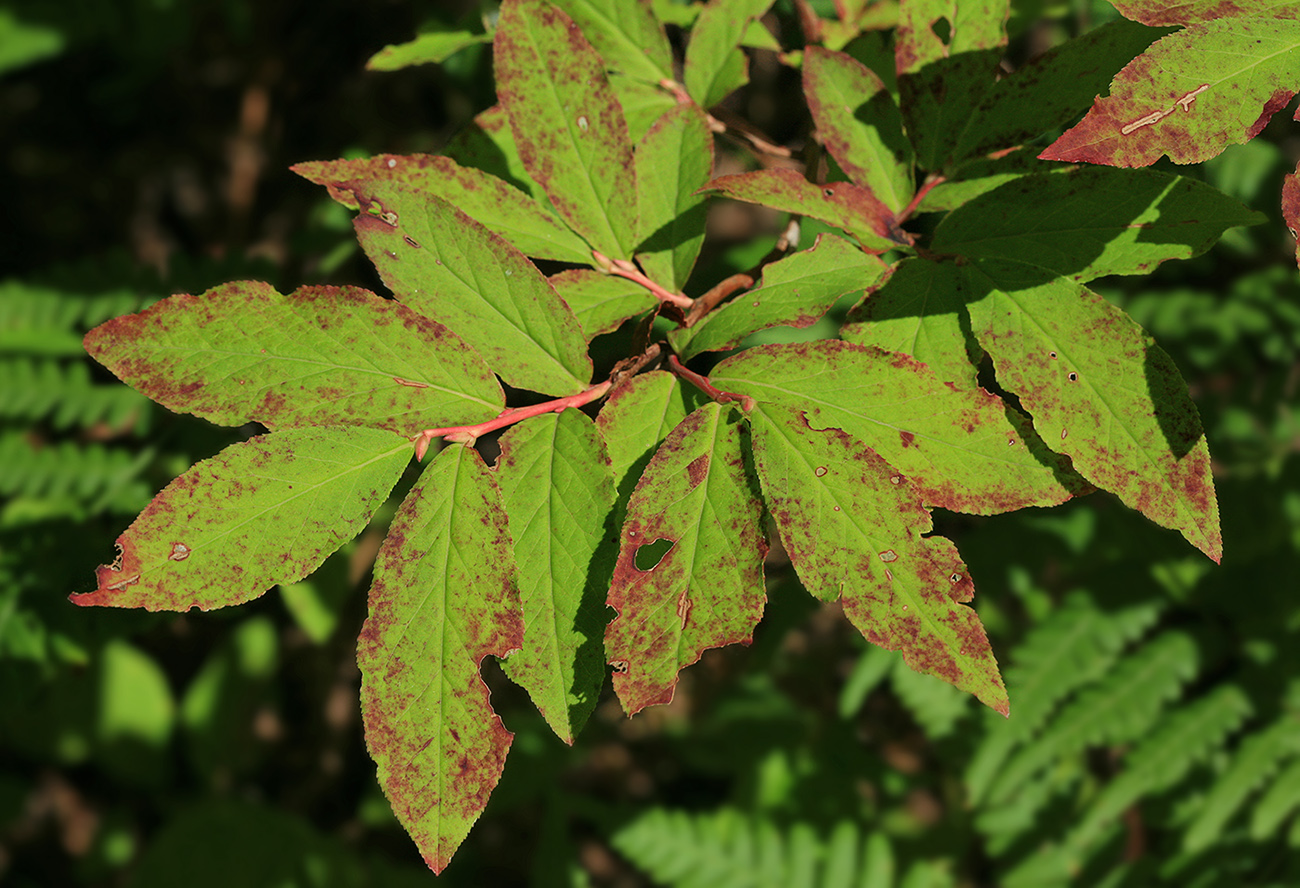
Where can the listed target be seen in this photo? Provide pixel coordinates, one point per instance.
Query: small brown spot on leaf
(180, 552)
(410, 240)
(889, 555)
(820, 471)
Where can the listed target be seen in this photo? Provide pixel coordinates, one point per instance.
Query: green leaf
(715, 64)
(1276, 803)
(558, 493)
(920, 311)
(859, 124)
(1101, 391)
(626, 35)
(498, 206)
(1091, 222)
(432, 48)
(941, 82)
(567, 123)
(963, 450)
(601, 301)
(842, 204)
(1050, 90)
(1169, 101)
(980, 176)
(487, 143)
(795, 291)
(856, 534)
(264, 511)
(319, 356)
(673, 161)
(707, 589)
(636, 420)
(446, 266)
(444, 597)
(642, 104)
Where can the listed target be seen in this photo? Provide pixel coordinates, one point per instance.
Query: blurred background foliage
(1155, 729)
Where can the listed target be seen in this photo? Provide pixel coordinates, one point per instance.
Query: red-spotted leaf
(964, 450)
(971, 25)
(1101, 391)
(567, 123)
(499, 207)
(1291, 206)
(842, 204)
(673, 161)
(1092, 221)
(1215, 83)
(446, 266)
(601, 301)
(920, 311)
(319, 356)
(706, 590)
(795, 291)
(264, 511)
(637, 419)
(855, 531)
(444, 597)
(859, 124)
(626, 35)
(488, 144)
(558, 493)
(715, 64)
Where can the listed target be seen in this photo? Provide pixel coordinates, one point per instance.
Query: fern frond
(63, 393)
(1122, 708)
(69, 479)
(1072, 648)
(725, 848)
(43, 320)
(1277, 803)
(1258, 757)
(1182, 739)
(936, 705)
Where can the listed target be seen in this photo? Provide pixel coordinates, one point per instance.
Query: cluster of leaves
(979, 374)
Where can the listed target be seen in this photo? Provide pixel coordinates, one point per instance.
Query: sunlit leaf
(567, 123)
(264, 511)
(1215, 83)
(601, 301)
(637, 419)
(795, 291)
(446, 266)
(558, 493)
(715, 65)
(856, 532)
(444, 597)
(430, 48)
(625, 34)
(706, 590)
(673, 161)
(319, 356)
(963, 450)
(1101, 391)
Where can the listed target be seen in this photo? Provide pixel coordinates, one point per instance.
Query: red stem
(468, 434)
(702, 383)
(623, 268)
(920, 196)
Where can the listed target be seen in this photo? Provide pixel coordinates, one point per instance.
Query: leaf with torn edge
(264, 511)
(243, 352)
(567, 123)
(842, 204)
(963, 450)
(855, 531)
(558, 495)
(448, 267)
(1101, 391)
(1215, 83)
(795, 291)
(390, 179)
(707, 589)
(443, 599)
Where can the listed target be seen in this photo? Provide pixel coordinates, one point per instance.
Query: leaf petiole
(702, 383)
(625, 269)
(469, 434)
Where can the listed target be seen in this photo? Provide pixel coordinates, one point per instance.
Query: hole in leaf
(942, 29)
(647, 557)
